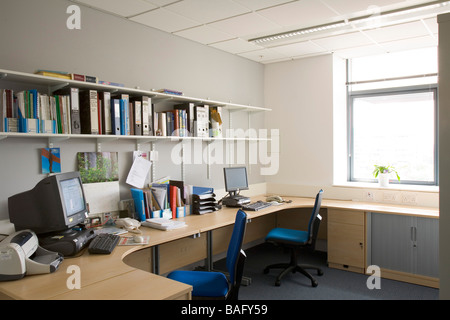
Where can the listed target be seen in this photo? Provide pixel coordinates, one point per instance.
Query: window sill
(391, 187)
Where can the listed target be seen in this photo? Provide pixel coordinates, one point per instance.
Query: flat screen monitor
(56, 203)
(235, 179)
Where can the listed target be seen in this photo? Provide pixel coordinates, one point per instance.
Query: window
(393, 121)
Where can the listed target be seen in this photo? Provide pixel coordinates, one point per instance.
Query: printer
(20, 255)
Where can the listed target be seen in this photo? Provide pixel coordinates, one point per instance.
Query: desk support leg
(155, 259)
(209, 251)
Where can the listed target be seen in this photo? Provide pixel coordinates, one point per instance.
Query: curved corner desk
(132, 272)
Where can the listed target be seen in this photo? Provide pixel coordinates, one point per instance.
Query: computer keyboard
(255, 206)
(103, 243)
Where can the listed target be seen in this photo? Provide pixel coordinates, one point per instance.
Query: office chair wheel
(266, 270)
(319, 272)
(277, 283)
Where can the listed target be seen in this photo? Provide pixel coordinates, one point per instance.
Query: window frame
(385, 92)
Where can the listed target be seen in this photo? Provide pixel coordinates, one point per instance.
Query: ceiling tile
(164, 20)
(236, 46)
(204, 34)
(263, 55)
(411, 43)
(205, 11)
(360, 7)
(343, 41)
(359, 51)
(245, 25)
(161, 3)
(398, 32)
(261, 4)
(300, 13)
(119, 7)
(300, 49)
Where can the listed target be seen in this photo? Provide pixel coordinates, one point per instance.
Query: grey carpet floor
(333, 284)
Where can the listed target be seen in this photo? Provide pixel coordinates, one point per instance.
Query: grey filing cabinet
(404, 243)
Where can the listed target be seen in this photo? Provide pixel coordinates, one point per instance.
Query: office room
(286, 72)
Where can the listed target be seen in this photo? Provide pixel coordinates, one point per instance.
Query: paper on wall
(139, 172)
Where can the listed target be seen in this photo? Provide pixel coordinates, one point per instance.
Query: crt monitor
(235, 179)
(55, 204)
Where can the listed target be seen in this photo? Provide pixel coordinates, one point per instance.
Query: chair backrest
(313, 225)
(234, 248)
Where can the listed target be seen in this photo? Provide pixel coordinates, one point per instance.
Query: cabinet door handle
(413, 234)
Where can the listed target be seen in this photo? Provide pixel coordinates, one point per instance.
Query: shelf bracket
(58, 86)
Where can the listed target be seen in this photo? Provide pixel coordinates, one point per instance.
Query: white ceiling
(229, 24)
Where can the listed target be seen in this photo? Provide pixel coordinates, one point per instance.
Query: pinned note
(139, 172)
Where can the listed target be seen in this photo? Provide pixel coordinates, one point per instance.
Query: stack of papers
(163, 223)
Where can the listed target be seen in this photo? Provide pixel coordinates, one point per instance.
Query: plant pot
(383, 179)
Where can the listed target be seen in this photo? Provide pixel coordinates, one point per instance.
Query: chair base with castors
(293, 267)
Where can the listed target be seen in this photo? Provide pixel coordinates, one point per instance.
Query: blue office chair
(295, 239)
(214, 285)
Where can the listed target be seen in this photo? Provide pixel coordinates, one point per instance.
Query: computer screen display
(72, 194)
(235, 178)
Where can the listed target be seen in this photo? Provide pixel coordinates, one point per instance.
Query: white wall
(34, 36)
(300, 92)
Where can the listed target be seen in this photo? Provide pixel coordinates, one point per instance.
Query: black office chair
(214, 285)
(294, 240)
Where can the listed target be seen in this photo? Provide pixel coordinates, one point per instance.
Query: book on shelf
(189, 108)
(89, 112)
(114, 84)
(78, 77)
(136, 114)
(170, 91)
(7, 111)
(104, 99)
(91, 79)
(143, 115)
(124, 113)
(70, 109)
(54, 74)
(10, 125)
(115, 116)
(201, 121)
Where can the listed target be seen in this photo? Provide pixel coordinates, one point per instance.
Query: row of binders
(172, 199)
(71, 111)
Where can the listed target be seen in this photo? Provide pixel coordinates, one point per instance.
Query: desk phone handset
(131, 225)
(277, 199)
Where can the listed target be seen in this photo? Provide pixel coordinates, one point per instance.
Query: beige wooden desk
(125, 274)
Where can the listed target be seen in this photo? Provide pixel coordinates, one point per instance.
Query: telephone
(274, 199)
(277, 199)
(131, 225)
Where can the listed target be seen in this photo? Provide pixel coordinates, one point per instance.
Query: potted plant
(382, 173)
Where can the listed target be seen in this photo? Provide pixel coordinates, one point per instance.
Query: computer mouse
(138, 239)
